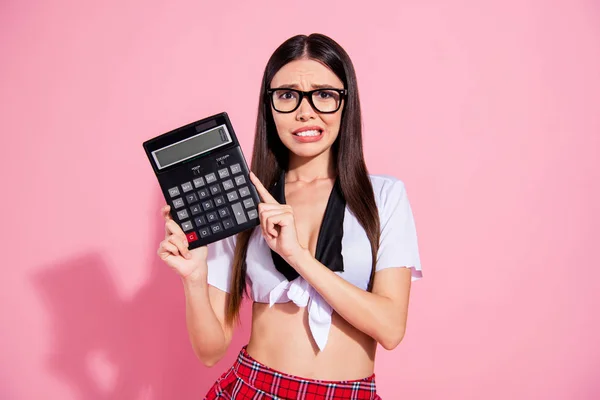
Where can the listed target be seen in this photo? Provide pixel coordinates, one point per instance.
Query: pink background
(488, 112)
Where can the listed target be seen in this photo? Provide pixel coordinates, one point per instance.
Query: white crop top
(398, 247)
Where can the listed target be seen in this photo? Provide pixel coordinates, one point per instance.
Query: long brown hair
(270, 157)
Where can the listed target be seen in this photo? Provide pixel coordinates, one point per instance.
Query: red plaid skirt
(250, 380)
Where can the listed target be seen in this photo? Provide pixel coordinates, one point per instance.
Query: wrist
(195, 279)
(299, 258)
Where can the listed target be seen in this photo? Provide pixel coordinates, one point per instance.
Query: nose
(305, 111)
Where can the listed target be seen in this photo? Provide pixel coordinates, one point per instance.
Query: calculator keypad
(244, 191)
(187, 187)
(213, 203)
(223, 173)
(235, 169)
(198, 182)
(210, 178)
(191, 198)
(178, 203)
(238, 213)
(215, 189)
(228, 184)
(195, 209)
(232, 196)
(183, 214)
(203, 194)
(192, 237)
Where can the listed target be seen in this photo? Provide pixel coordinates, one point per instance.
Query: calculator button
(198, 182)
(200, 221)
(183, 214)
(191, 237)
(223, 173)
(252, 214)
(228, 223)
(228, 184)
(210, 178)
(216, 227)
(174, 192)
(219, 201)
(215, 189)
(212, 217)
(178, 203)
(244, 191)
(186, 187)
(191, 198)
(233, 196)
(224, 212)
(238, 212)
(196, 209)
(207, 205)
(186, 226)
(203, 193)
(249, 203)
(240, 180)
(236, 169)
(204, 232)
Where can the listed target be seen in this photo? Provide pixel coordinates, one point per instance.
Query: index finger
(262, 192)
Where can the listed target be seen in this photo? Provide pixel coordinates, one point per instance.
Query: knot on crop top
(304, 295)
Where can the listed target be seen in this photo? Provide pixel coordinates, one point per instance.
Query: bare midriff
(281, 340)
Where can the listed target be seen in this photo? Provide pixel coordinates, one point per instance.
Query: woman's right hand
(174, 251)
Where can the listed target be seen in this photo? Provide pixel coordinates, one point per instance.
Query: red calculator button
(191, 237)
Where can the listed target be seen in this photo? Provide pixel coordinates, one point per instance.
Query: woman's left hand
(277, 223)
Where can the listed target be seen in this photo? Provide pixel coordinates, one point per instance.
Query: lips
(308, 134)
(308, 131)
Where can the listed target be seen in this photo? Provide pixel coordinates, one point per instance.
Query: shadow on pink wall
(106, 347)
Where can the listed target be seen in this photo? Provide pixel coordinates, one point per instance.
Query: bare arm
(204, 304)
(380, 314)
(209, 335)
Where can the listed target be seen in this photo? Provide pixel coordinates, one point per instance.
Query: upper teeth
(308, 133)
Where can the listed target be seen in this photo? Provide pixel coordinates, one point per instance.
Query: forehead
(305, 73)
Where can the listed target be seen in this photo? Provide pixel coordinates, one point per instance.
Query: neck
(308, 169)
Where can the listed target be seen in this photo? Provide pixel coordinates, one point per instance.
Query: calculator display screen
(191, 147)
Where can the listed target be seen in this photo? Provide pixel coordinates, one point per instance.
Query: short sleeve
(220, 262)
(398, 245)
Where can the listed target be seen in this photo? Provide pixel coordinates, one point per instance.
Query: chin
(308, 151)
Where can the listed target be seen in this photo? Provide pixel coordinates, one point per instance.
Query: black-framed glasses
(326, 101)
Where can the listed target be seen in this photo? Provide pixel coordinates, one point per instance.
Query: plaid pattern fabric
(250, 380)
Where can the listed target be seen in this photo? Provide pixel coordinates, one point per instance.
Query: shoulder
(387, 189)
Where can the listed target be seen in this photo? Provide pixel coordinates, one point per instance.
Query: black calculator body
(204, 178)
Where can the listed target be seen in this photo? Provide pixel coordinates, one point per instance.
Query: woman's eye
(287, 95)
(324, 95)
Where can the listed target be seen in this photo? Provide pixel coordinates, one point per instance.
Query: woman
(330, 265)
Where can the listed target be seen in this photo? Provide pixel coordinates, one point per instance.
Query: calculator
(203, 176)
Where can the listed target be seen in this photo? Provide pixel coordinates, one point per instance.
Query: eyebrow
(314, 86)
